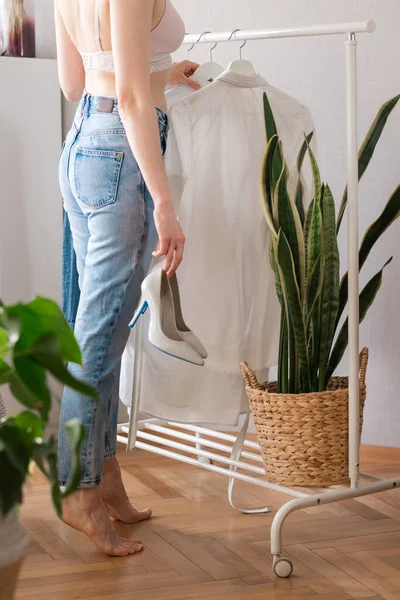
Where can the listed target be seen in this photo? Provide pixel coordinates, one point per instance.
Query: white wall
(30, 202)
(313, 70)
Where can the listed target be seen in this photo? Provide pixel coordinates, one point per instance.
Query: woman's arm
(70, 67)
(131, 22)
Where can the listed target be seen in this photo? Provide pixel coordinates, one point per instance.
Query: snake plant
(304, 257)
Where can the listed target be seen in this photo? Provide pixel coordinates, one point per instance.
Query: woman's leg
(112, 487)
(107, 197)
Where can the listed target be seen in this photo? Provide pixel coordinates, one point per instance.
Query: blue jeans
(110, 217)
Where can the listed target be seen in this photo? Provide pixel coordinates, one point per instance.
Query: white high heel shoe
(184, 331)
(163, 332)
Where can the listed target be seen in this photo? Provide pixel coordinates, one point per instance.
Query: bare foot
(85, 511)
(115, 497)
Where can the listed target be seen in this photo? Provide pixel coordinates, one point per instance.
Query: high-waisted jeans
(110, 214)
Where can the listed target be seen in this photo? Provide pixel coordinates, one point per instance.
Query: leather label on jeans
(105, 105)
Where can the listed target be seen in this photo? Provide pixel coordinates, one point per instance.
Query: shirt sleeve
(178, 156)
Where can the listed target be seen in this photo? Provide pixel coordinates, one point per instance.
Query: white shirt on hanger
(215, 147)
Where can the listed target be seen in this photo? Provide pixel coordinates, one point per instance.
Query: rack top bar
(264, 34)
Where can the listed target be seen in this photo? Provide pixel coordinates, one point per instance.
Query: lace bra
(165, 38)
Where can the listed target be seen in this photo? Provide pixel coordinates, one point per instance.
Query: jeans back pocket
(97, 174)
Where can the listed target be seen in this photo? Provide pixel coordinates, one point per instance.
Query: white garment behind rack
(227, 287)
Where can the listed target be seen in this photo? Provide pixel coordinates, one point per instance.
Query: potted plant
(301, 419)
(35, 342)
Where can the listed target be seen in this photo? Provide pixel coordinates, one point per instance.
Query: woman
(116, 194)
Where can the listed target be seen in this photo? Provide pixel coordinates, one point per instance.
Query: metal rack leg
(137, 383)
(280, 563)
(353, 260)
(202, 459)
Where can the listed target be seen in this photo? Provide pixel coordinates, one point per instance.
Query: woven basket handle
(364, 355)
(252, 381)
(249, 377)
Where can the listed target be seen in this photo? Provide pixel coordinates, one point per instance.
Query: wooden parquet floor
(198, 548)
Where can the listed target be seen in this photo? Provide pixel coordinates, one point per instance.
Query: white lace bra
(104, 61)
(165, 38)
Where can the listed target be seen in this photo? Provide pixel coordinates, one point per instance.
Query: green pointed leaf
(367, 298)
(293, 300)
(330, 288)
(368, 147)
(314, 288)
(293, 383)
(313, 317)
(277, 165)
(270, 125)
(283, 359)
(303, 150)
(316, 175)
(271, 131)
(315, 249)
(388, 216)
(307, 223)
(287, 219)
(299, 200)
(266, 185)
(313, 236)
(274, 267)
(299, 191)
(390, 213)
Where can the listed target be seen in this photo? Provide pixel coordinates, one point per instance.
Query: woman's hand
(171, 240)
(180, 73)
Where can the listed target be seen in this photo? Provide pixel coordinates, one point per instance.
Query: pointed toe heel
(157, 297)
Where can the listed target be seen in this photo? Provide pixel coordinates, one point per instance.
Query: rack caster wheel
(283, 568)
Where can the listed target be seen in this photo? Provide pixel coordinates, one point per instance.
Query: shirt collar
(249, 81)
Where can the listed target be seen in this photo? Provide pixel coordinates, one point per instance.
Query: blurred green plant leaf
(76, 435)
(46, 353)
(52, 321)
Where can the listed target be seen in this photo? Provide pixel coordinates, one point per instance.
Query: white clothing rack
(241, 35)
(198, 441)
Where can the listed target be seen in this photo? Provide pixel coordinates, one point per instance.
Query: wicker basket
(304, 437)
